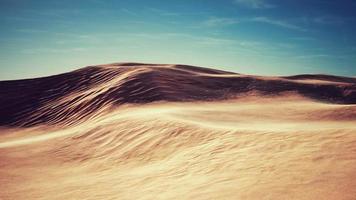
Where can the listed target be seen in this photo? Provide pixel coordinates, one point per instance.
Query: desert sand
(144, 131)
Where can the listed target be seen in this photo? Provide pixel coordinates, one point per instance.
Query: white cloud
(222, 21)
(218, 21)
(322, 56)
(313, 56)
(129, 12)
(280, 23)
(328, 20)
(255, 4)
(53, 50)
(304, 39)
(163, 12)
(34, 31)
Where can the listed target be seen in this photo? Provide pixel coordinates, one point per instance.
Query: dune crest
(93, 90)
(147, 131)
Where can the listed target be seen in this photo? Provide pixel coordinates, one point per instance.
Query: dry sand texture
(139, 131)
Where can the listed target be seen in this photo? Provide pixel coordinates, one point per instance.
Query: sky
(260, 37)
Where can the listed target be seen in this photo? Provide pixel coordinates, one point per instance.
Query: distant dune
(76, 95)
(151, 131)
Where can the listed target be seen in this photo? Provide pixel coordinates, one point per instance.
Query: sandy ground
(251, 148)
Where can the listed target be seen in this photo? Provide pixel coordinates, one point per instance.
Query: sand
(248, 146)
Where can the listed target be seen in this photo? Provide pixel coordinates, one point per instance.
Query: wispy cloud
(57, 13)
(163, 12)
(196, 39)
(313, 56)
(327, 20)
(254, 4)
(304, 39)
(330, 20)
(53, 50)
(30, 31)
(280, 23)
(323, 56)
(219, 21)
(223, 21)
(36, 19)
(129, 12)
(230, 44)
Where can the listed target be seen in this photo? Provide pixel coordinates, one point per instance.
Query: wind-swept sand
(135, 131)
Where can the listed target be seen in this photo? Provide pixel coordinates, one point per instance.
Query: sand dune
(74, 96)
(143, 131)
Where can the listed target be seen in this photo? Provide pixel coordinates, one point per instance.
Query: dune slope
(92, 90)
(142, 131)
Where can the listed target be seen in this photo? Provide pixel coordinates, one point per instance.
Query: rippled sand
(251, 148)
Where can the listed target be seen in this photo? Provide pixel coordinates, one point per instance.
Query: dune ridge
(144, 131)
(93, 90)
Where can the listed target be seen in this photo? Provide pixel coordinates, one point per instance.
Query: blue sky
(264, 37)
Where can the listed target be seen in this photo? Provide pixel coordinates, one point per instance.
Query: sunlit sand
(248, 145)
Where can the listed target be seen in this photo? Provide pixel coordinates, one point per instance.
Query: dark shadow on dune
(73, 96)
